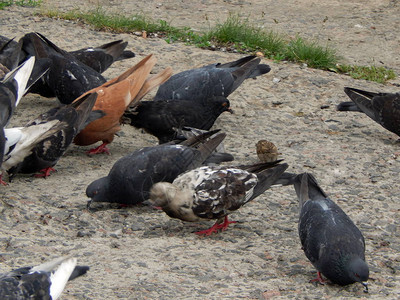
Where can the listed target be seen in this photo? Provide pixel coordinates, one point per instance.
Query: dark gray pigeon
(330, 240)
(159, 118)
(43, 282)
(214, 192)
(383, 108)
(201, 84)
(132, 176)
(67, 77)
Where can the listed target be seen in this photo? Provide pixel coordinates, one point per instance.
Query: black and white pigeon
(43, 282)
(214, 192)
(215, 80)
(45, 154)
(12, 87)
(132, 176)
(67, 78)
(330, 240)
(383, 108)
(21, 140)
(159, 118)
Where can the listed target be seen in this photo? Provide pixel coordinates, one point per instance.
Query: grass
(235, 34)
(25, 3)
(371, 73)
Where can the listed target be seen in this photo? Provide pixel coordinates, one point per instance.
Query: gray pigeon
(383, 108)
(213, 192)
(43, 282)
(330, 240)
(215, 80)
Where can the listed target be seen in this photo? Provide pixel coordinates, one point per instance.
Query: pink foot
(319, 278)
(45, 172)
(2, 182)
(216, 227)
(100, 149)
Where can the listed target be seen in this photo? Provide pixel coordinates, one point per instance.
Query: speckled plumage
(214, 192)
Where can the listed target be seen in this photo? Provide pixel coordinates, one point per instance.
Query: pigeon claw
(2, 182)
(100, 149)
(45, 172)
(216, 227)
(319, 278)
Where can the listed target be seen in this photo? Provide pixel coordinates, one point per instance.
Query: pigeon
(330, 240)
(12, 88)
(214, 192)
(67, 78)
(159, 118)
(383, 108)
(43, 282)
(99, 58)
(46, 153)
(201, 84)
(132, 176)
(24, 140)
(113, 99)
(267, 151)
(102, 57)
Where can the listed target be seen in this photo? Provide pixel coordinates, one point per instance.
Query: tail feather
(244, 72)
(267, 178)
(61, 276)
(149, 61)
(307, 188)
(152, 82)
(208, 147)
(21, 76)
(363, 100)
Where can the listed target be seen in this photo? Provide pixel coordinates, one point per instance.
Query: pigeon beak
(230, 110)
(365, 284)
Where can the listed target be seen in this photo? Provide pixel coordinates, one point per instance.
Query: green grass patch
(371, 73)
(311, 53)
(25, 3)
(235, 34)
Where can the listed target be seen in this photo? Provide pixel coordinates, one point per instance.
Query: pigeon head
(97, 190)
(221, 104)
(358, 271)
(161, 192)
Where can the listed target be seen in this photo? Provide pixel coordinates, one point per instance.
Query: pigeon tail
(21, 76)
(363, 100)
(266, 178)
(84, 107)
(307, 188)
(152, 82)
